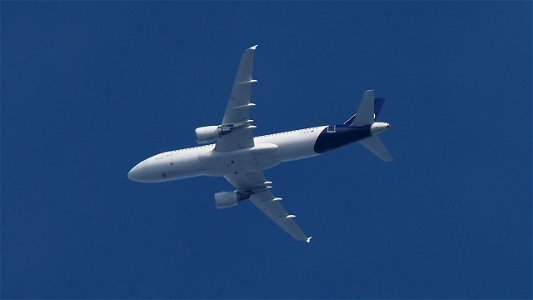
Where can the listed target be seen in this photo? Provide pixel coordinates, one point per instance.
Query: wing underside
(237, 114)
(262, 197)
(271, 206)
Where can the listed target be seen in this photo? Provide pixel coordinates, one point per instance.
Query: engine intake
(210, 134)
(226, 199)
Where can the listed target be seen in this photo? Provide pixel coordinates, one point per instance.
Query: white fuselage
(269, 151)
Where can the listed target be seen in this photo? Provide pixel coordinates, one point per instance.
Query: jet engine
(210, 134)
(226, 199)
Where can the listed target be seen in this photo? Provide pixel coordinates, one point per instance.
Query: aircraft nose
(135, 173)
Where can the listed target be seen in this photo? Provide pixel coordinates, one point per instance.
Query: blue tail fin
(378, 103)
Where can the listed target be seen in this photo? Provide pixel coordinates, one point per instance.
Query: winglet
(308, 240)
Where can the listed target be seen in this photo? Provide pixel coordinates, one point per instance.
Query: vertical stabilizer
(378, 103)
(365, 113)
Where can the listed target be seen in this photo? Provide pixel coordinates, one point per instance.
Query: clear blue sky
(91, 88)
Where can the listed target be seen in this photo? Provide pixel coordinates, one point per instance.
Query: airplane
(231, 150)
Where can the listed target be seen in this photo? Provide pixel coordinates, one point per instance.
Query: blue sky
(91, 88)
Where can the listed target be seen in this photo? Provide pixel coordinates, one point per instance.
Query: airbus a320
(232, 151)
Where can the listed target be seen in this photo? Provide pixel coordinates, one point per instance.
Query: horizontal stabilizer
(376, 146)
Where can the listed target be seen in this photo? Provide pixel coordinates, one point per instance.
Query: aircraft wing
(263, 199)
(237, 114)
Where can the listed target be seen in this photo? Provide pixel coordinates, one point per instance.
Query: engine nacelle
(226, 199)
(210, 134)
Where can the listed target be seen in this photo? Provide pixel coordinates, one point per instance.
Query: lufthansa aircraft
(232, 150)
